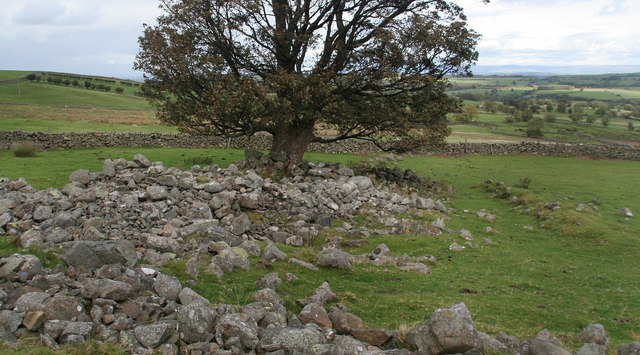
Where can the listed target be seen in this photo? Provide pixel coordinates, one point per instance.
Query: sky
(100, 37)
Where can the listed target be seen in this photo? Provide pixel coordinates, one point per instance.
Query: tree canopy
(297, 68)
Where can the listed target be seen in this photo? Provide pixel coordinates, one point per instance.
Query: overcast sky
(100, 37)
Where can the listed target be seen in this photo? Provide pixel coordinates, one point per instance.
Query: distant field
(31, 118)
(12, 74)
(34, 93)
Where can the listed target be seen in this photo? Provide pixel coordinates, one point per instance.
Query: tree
(527, 114)
(469, 112)
(549, 117)
(534, 128)
(369, 69)
(490, 106)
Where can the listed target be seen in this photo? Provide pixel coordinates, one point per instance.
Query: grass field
(31, 118)
(34, 93)
(581, 267)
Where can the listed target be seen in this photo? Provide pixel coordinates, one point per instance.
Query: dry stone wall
(263, 141)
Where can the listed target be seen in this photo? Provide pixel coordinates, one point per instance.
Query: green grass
(62, 126)
(13, 74)
(34, 93)
(579, 268)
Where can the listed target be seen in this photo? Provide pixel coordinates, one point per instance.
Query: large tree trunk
(292, 140)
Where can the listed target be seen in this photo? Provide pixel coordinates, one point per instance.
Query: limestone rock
(314, 313)
(321, 296)
(292, 340)
(240, 326)
(91, 255)
(271, 281)
(196, 323)
(449, 330)
(167, 286)
(593, 333)
(153, 335)
(271, 253)
(335, 259)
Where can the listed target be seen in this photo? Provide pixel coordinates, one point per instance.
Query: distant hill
(541, 70)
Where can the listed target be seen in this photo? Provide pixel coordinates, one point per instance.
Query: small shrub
(524, 182)
(202, 161)
(24, 149)
(549, 117)
(534, 128)
(119, 90)
(630, 126)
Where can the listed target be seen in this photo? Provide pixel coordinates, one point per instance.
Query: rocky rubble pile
(147, 311)
(106, 222)
(168, 213)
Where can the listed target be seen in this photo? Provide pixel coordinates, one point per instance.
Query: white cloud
(74, 35)
(564, 32)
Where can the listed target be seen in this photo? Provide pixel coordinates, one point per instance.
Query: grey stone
(251, 200)
(465, 234)
(591, 349)
(80, 176)
(363, 182)
(416, 267)
(373, 336)
(292, 340)
(92, 233)
(153, 335)
(548, 344)
(271, 281)
(353, 346)
(196, 323)
(240, 224)
(335, 259)
(57, 236)
(31, 302)
(84, 329)
(251, 247)
(448, 330)
(456, 247)
(7, 336)
(11, 320)
(593, 333)
(238, 325)
(42, 213)
(10, 264)
(266, 295)
(91, 255)
(632, 348)
(4, 219)
(63, 307)
(30, 238)
(314, 313)
(64, 220)
(156, 193)
(492, 345)
(344, 322)
(141, 160)
(168, 287)
(625, 212)
(189, 296)
(304, 264)
(163, 244)
(213, 187)
(321, 296)
(167, 180)
(209, 230)
(108, 168)
(108, 289)
(271, 253)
